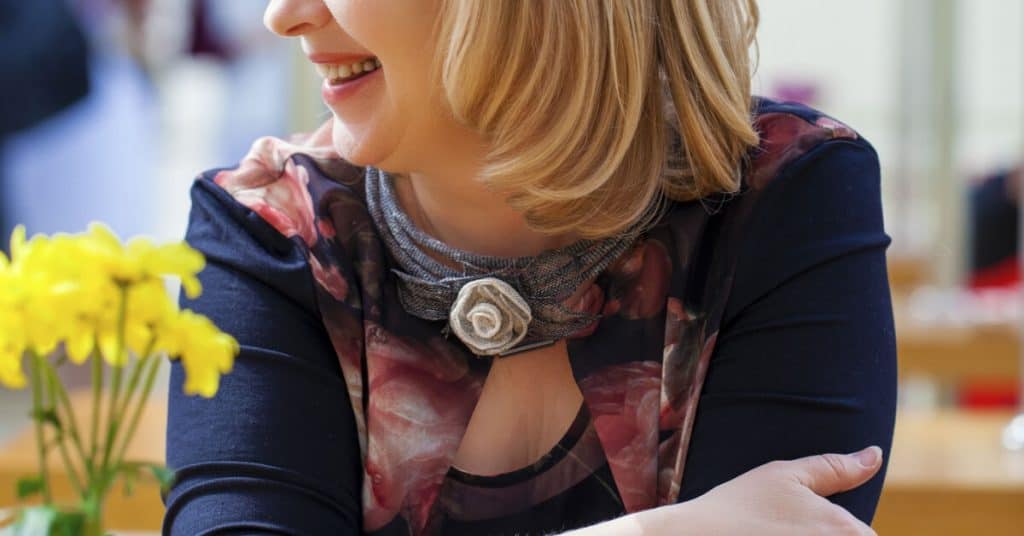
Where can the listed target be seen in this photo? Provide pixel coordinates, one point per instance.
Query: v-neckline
(545, 462)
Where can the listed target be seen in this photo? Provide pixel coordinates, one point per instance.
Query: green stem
(97, 388)
(154, 365)
(62, 399)
(37, 387)
(133, 380)
(57, 395)
(93, 523)
(76, 481)
(61, 439)
(118, 368)
(65, 403)
(113, 419)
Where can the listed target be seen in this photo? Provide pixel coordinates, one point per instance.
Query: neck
(449, 202)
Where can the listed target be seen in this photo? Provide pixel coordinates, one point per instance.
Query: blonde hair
(585, 102)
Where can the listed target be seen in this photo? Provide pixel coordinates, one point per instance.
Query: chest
(432, 413)
(527, 404)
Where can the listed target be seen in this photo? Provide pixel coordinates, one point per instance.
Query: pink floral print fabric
(640, 368)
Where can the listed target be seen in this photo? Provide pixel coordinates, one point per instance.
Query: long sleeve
(275, 451)
(806, 357)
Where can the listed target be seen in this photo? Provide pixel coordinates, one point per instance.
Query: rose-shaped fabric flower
(489, 316)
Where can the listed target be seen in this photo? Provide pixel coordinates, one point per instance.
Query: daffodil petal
(78, 347)
(17, 242)
(12, 375)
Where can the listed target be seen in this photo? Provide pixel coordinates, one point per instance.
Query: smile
(338, 73)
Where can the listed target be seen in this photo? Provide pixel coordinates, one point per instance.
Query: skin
(401, 124)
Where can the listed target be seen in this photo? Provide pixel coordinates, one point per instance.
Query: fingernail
(869, 457)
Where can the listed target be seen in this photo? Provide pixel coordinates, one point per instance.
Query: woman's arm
(275, 451)
(782, 498)
(805, 365)
(806, 357)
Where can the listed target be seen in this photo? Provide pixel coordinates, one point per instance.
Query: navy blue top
(805, 360)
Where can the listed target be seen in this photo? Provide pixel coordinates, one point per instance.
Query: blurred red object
(989, 394)
(1003, 274)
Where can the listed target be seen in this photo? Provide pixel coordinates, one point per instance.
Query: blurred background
(109, 108)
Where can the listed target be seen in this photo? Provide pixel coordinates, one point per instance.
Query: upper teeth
(335, 71)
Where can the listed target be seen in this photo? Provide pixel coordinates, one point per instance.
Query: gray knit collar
(514, 303)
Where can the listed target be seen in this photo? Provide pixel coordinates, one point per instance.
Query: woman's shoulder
(806, 164)
(271, 191)
(800, 149)
(812, 194)
(265, 216)
(809, 168)
(792, 135)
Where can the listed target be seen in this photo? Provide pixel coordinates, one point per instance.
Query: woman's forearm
(644, 523)
(777, 498)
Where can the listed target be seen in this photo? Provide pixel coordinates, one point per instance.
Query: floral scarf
(640, 368)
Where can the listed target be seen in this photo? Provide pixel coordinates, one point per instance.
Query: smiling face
(390, 117)
(560, 105)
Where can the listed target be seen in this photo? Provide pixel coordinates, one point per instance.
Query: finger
(828, 474)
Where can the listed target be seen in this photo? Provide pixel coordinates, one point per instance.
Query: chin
(357, 149)
(355, 157)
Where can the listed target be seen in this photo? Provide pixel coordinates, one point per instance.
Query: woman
(546, 268)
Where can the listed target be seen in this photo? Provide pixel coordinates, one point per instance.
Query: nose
(290, 18)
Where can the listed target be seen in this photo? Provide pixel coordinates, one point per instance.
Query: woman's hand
(784, 497)
(778, 498)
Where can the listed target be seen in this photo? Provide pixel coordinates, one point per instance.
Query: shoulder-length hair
(585, 102)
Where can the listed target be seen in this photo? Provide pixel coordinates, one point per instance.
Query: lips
(345, 74)
(337, 73)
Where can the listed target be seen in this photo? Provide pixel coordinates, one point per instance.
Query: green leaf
(129, 477)
(90, 505)
(68, 523)
(130, 470)
(163, 475)
(47, 416)
(54, 442)
(29, 486)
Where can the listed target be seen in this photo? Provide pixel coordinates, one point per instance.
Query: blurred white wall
(991, 83)
(876, 64)
(846, 49)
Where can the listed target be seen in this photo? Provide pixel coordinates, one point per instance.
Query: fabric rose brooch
(489, 316)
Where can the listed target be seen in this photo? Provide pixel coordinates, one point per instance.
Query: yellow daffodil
(69, 290)
(12, 375)
(12, 347)
(89, 297)
(205, 352)
(175, 259)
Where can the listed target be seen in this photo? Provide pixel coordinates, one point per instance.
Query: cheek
(399, 33)
(361, 19)
(395, 138)
(391, 29)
